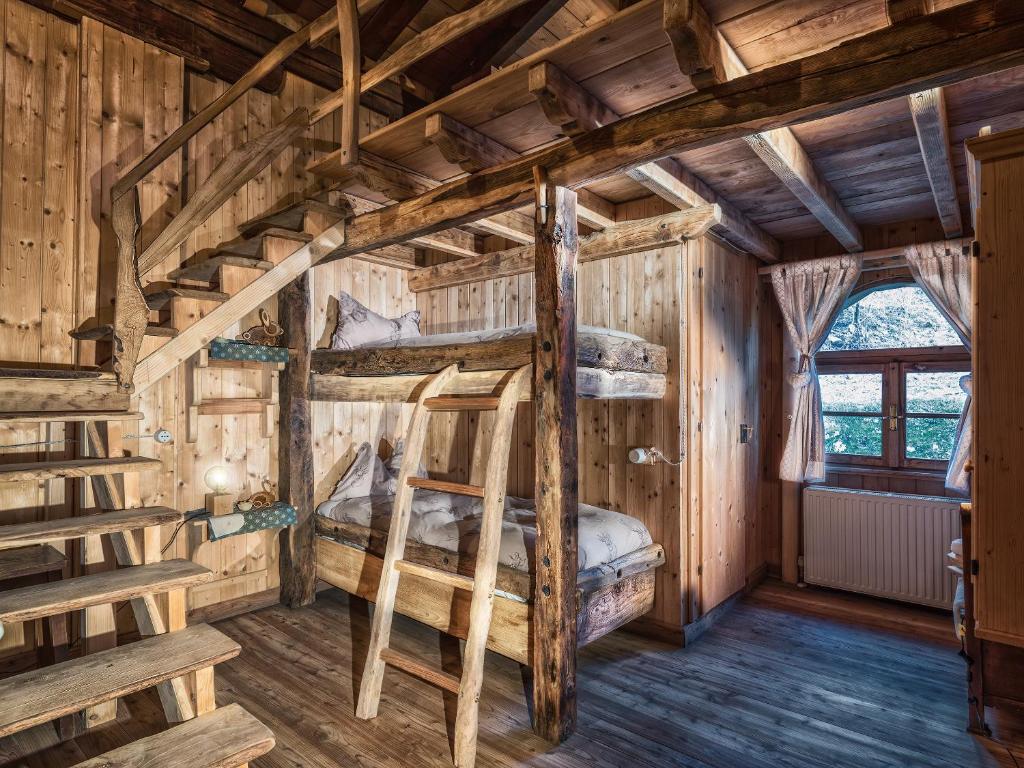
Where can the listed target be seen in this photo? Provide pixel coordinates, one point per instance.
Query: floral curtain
(944, 273)
(810, 293)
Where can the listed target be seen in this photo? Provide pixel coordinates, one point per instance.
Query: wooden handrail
(421, 46)
(317, 29)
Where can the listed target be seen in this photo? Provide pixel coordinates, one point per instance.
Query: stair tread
(48, 373)
(445, 486)
(23, 534)
(457, 580)
(48, 693)
(47, 470)
(159, 298)
(32, 417)
(225, 738)
(250, 246)
(41, 600)
(96, 332)
(291, 216)
(30, 561)
(417, 668)
(204, 270)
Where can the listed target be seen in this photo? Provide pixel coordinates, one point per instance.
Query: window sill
(853, 469)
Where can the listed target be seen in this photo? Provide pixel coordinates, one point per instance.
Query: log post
(554, 371)
(298, 551)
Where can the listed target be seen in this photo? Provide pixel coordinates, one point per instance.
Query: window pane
(853, 435)
(934, 392)
(860, 392)
(892, 318)
(930, 438)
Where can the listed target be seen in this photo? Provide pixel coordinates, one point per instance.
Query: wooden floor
(779, 681)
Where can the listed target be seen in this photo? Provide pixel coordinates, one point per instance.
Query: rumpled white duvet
(364, 496)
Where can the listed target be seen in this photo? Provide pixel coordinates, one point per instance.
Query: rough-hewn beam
(464, 146)
(967, 41)
(695, 42)
(575, 110)
(473, 151)
(617, 240)
(445, 31)
(783, 153)
(928, 109)
(902, 10)
(556, 460)
(295, 477)
(351, 73)
(970, 40)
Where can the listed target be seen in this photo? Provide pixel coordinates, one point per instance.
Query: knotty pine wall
(80, 103)
(702, 302)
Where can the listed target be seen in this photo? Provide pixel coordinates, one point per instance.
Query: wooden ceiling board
(582, 56)
(793, 28)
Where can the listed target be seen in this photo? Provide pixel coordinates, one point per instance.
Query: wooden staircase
(177, 660)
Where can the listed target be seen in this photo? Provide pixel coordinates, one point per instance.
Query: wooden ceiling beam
(473, 151)
(695, 42)
(351, 71)
(575, 110)
(928, 108)
(717, 62)
(617, 240)
(456, 242)
(902, 10)
(463, 146)
(970, 40)
(978, 38)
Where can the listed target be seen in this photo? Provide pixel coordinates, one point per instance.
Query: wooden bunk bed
(350, 556)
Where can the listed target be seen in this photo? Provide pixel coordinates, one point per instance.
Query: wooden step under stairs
(81, 693)
(380, 655)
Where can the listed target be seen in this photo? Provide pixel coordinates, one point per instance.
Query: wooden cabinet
(997, 165)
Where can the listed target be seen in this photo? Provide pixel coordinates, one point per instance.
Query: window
(890, 374)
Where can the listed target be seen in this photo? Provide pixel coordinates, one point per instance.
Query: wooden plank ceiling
(870, 161)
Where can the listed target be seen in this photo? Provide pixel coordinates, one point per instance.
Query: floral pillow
(362, 327)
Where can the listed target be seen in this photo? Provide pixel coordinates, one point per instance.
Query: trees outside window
(890, 374)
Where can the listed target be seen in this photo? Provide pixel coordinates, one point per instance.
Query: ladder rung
(417, 668)
(463, 489)
(454, 403)
(456, 580)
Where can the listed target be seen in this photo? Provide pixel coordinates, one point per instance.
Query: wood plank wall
(80, 103)
(709, 322)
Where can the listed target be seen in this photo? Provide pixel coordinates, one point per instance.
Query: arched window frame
(893, 365)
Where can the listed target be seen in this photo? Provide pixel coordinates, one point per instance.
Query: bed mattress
(365, 495)
(452, 522)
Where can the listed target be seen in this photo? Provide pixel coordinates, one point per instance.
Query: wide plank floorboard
(787, 679)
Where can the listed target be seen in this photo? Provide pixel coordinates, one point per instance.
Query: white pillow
(367, 476)
(362, 327)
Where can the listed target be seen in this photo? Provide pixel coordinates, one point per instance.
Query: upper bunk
(610, 365)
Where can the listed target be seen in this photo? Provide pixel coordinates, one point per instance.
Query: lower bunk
(615, 582)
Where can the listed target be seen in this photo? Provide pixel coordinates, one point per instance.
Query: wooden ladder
(481, 585)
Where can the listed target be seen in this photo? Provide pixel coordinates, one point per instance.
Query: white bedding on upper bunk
(491, 334)
(365, 495)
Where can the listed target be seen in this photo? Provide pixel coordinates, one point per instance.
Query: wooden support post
(351, 65)
(298, 553)
(554, 371)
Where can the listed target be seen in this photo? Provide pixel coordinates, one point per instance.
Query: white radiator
(880, 543)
